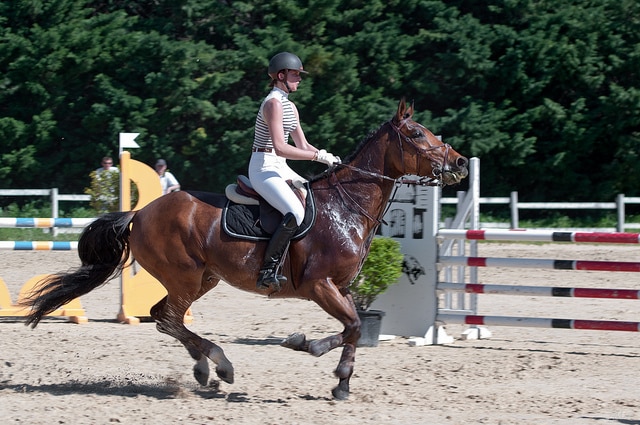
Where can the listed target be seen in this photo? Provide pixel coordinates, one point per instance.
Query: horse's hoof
(225, 375)
(295, 341)
(340, 394)
(201, 377)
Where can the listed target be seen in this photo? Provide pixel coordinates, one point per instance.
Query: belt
(266, 150)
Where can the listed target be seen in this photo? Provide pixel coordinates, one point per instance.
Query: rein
(422, 181)
(344, 193)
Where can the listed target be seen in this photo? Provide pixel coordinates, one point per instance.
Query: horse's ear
(404, 111)
(402, 107)
(409, 112)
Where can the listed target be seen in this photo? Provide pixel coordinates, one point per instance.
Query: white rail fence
(512, 201)
(52, 193)
(515, 206)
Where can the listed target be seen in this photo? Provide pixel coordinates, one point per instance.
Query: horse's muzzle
(454, 173)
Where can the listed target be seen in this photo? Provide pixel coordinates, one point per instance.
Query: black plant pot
(370, 320)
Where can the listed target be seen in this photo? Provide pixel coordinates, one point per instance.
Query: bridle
(422, 181)
(437, 170)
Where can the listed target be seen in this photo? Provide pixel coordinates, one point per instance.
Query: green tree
(545, 93)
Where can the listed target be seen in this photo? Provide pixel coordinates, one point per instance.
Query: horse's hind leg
(169, 319)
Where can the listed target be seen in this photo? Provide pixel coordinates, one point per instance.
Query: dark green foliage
(547, 94)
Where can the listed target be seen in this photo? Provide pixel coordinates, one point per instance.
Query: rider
(268, 169)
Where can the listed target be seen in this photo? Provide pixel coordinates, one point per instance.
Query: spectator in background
(107, 165)
(167, 180)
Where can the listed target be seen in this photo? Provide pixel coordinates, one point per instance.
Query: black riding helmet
(284, 60)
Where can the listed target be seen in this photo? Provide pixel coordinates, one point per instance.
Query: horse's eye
(416, 134)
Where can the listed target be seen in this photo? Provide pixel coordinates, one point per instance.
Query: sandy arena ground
(104, 372)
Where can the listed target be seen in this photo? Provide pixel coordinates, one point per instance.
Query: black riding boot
(269, 277)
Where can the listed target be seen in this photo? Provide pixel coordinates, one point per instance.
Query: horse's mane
(372, 134)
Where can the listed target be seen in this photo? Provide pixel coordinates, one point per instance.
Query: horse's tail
(103, 249)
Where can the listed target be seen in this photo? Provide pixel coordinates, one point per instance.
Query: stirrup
(269, 279)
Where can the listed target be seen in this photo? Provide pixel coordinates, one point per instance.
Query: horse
(178, 239)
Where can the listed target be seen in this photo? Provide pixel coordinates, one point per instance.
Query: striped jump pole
(459, 299)
(534, 322)
(540, 236)
(38, 245)
(609, 266)
(540, 291)
(44, 222)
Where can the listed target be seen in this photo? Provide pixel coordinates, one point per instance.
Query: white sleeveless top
(262, 138)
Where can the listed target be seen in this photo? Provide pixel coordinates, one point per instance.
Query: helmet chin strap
(286, 83)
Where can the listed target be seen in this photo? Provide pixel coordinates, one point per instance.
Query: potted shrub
(381, 269)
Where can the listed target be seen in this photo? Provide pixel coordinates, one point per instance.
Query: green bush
(381, 269)
(104, 191)
(38, 208)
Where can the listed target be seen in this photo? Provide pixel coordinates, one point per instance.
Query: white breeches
(269, 174)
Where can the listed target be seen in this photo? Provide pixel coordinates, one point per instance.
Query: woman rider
(268, 169)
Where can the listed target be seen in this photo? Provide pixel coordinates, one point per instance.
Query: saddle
(247, 215)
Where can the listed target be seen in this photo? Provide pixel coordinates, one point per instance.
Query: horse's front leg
(339, 304)
(344, 372)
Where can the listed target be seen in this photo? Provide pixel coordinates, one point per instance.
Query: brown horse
(179, 240)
